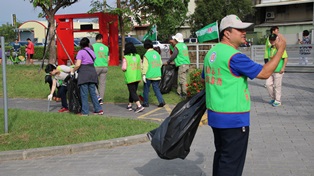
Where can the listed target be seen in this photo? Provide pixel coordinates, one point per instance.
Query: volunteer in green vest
(101, 66)
(274, 82)
(151, 71)
(273, 30)
(131, 66)
(225, 74)
(172, 44)
(181, 58)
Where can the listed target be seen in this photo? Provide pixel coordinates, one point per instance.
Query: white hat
(234, 22)
(178, 37)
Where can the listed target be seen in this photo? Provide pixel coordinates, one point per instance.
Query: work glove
(144, 78)
(50, 97)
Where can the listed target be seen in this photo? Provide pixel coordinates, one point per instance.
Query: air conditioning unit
(270, 15)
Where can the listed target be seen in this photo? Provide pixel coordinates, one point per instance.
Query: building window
(281, 9)
(309, 8)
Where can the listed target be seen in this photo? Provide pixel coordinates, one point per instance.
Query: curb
(70, 149)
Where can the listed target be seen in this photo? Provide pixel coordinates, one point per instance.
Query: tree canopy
(8, 32)
(49, 9)
(207, 12)
(167, 15)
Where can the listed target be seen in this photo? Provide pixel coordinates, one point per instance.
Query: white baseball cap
(178, 37)
(233, 21)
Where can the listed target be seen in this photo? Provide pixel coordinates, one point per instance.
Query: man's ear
(227, 34)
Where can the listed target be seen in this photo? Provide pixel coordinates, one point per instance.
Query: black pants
(231, 146)
(132, 87)
(62, 91)
(48, 80)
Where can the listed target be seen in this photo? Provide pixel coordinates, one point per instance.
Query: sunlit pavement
(281, 141)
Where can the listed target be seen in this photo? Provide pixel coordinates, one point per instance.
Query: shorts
(30, 56)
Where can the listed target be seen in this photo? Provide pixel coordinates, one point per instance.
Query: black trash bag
(75, 104)
(173, 138)
(167, 78)
(48, 79)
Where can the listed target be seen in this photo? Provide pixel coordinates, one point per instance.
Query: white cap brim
(242, 25)
(238, 26)
(233, 21)
(179, 40)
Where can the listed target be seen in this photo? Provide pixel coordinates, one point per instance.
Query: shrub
(196, 84)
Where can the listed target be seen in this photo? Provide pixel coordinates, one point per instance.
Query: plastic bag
(75, 105)
(167, 78)
(173, 138)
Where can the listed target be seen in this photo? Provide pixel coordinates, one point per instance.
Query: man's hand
(144, 78)
(50, 97)
(280, 42)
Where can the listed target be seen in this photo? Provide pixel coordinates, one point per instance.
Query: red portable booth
(108, 27)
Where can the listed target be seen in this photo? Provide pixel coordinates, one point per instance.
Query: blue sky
(25, 11)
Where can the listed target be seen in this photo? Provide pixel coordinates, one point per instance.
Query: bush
(196, 84)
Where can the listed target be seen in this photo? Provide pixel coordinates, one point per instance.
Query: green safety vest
(154, 64)
(133, 71)
(101, 52)
(183, 54)
(225, 92)
(271, 52)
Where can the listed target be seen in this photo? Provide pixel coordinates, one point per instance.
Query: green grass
(31, 129)
(25, 82)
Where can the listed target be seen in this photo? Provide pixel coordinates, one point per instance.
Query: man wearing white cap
(225, 72)
(181, 58)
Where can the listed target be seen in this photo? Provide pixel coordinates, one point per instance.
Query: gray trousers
(102, 73)
(182, 75)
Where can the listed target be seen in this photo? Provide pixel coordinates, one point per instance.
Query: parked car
(77, 41)
(133, 40)
(246, 44)
(190, 40)
(39, 44)
(162, 46)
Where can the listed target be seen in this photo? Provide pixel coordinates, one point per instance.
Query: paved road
(281, 143)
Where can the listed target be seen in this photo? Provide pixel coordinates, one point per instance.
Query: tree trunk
(121, 30)
(52, 47)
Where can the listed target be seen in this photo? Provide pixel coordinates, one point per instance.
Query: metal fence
(197, 54)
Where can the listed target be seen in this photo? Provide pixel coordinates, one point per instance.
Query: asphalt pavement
(281, 141)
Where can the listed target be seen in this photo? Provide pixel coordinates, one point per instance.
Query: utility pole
(14, 25)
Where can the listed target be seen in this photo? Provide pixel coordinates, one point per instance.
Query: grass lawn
(25, 82)
(31, 129)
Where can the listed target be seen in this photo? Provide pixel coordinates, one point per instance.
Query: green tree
(207, 12)
(127, 11)
(49, 9)
(167, 15)
(8, 32)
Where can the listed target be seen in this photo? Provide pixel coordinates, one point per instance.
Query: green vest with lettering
(183, 54)
(154, 64)
(271, 53)
(101, 52)
(225, 92)
(133, 70)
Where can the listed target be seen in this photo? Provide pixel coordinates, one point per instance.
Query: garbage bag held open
(173, 138)
(168, 78)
